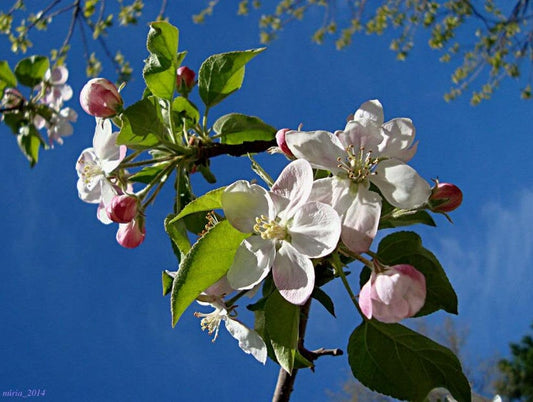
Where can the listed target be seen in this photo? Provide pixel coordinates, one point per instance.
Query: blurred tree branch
(502, 41)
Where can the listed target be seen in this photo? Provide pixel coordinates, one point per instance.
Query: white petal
(333, 191)
(242, 202)
(252, 263)
(105, 147)
(249, 340)
(400, 184)
(320, 148)
(102, 215)
(315, 230)
(90, 195)
(370, 112)
(398, 136)
(293, 274)
(361, 220)
(294, 183)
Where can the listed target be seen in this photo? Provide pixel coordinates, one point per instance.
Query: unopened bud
(185, 80)
(100, 98)
(122, 208)
(131, 234)
(445, 197)
(393, 293)
(282, 143)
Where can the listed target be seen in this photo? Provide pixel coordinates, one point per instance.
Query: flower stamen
(270, 229)
(211, 322)
(358, 166)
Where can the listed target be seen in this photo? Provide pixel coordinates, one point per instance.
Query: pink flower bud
(100, 98)
(131, 234)
(445, 197)
(282, 144)
(122, 208)
(393, 294)
(185, 79)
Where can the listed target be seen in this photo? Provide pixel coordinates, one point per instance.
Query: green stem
(337, 264)
(232, 301)
(170, 122)
(158, 180)
(132, 156)
(348, 253)
(147, 162)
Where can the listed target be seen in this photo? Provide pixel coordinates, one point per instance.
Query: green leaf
(324, 299)
(160, 67)
(30, 71)
(167, 278)
(222, 74)
(396, 361)
(236, 128)
(395, 217)
(29, 142)
(207, 202)
(177, 232)
(282, 320)
(406, 248)
(207, 261)
(7, 78)
(184, 108)
(148, 173)
(407, 219)
(142, 124)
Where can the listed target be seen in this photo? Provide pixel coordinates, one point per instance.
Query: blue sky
(84, 318)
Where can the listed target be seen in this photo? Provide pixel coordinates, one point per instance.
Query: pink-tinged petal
(415, 293)
(57, 76)
(388, 286)
(293, 274)
(315, 230)
(249, 340)
(361, 220)
(365, 299)
(398, 136)
(131, 235)
(400, 184)
(392, 313)
(320, 148)
(294, 183)
(360, 136)
(370, 113)
(394, 293)
(252, 263)
(220, 288)
(242, 202)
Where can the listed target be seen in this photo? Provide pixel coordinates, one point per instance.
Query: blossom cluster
(298, 222)
(45, 109)
(55, 91)
(99, 179)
